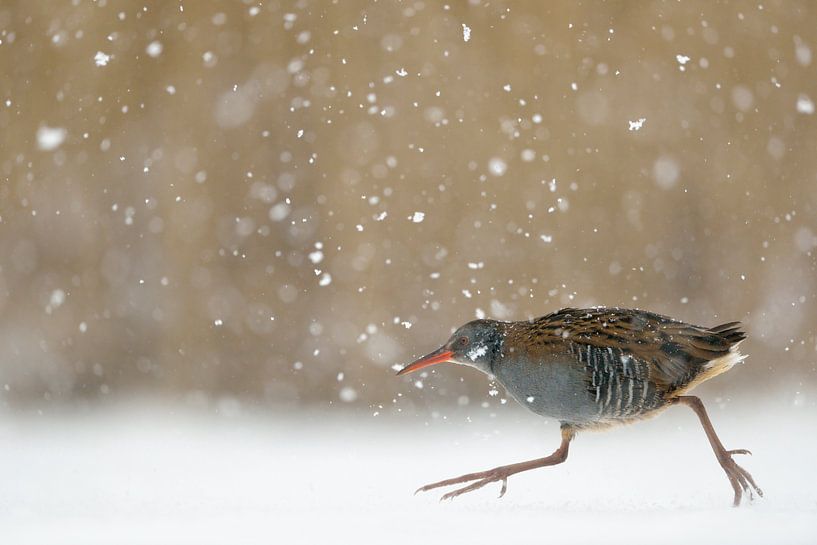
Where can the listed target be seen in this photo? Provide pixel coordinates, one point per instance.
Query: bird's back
(599, 366)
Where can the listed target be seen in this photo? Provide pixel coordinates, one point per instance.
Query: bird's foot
(741, 480)
(479, 480)
(501, 473)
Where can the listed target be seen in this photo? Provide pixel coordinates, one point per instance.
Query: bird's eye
(462, 341)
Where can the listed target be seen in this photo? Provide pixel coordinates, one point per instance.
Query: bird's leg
(503, 472)
(740, 479)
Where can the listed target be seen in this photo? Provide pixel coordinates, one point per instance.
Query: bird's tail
(729, 332)
(728, 336)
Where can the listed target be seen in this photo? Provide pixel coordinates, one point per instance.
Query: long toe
(477, 481)
(740, 479)
(504, 487)
(471, 487)
(456, 480)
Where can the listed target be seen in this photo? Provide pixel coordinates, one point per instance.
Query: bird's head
(476, 344)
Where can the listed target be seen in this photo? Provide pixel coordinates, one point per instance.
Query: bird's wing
(671, 353)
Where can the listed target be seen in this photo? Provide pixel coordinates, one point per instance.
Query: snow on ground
(157, 474)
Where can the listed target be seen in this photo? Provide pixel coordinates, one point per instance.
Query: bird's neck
(496, 345)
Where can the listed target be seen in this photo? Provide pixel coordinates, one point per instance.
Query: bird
(592, 369)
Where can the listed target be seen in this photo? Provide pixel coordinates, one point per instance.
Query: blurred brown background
(274, 202)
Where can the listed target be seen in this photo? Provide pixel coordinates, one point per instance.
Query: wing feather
(676, 353)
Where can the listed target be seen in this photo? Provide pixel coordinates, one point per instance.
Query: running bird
(592, 369)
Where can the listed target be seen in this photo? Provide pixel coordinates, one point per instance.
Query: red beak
(438, 356)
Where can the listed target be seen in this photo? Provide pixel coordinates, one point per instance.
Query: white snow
(802, 52)
(500, 311)
(477, 352)
(466, 32)
(316, 257)
(805, 104)
(50, 138)
(55, 301)
(348, 394)
(637, 124)
(279, 211)
(418, 217)
(101, 59)
(235, 107)
(666, 170)
(497, 166)
(743, 98)
(168, 475)
(154, 48)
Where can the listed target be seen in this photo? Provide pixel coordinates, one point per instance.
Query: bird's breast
(552, 385)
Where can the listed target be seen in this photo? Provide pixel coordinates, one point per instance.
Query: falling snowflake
(637, 124)
(477, 352)
(154, 49)
(497, 166)
(50, 138)
(805, 105)
(466, 32)
(101, 59)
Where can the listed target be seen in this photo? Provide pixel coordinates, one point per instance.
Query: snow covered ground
(156, 474)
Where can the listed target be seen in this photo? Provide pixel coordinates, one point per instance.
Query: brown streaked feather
(678, 355)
